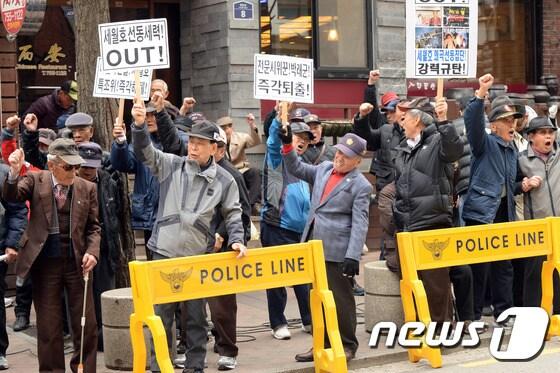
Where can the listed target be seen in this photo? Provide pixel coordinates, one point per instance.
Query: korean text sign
(441, 38)
(283, 78)
(120, 84)
(134, 44)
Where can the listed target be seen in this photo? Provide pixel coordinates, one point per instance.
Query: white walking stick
(83, 324)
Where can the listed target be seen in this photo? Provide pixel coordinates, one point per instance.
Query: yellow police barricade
(202, 276)
(469, 245)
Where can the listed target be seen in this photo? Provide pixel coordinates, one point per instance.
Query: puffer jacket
(493, 166)
(423, 179)
(464, 163)
(145, 195)
(188, 199)
(543, 201)
(286, 199)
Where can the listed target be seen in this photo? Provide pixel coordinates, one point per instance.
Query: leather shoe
(305, 357)
(22, 323)
(349, 354)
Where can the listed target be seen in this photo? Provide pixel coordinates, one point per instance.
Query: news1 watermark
(526, 340)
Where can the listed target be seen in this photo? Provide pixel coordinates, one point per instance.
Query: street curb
(392, 356)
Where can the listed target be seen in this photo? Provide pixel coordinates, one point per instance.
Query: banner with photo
(441, 38)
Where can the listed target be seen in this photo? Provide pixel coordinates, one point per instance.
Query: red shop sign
(13, 14)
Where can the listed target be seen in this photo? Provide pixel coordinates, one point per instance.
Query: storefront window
(342, 33)
(286, 27)
(335, 33)
(505, 43)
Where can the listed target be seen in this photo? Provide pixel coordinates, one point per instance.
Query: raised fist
(374, 76)
(31, 122)
(138, 111)
(485, 82)
(250, 120)
(16, 160)
(441, 109)
(13, 122)
(365, 109)
(188, 105)
(158, 101)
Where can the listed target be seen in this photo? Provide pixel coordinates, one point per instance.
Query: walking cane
(83, 324)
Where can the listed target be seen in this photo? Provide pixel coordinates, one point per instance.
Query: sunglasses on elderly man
(68, 167)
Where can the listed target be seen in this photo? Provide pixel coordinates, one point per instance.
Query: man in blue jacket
(13, 220)
(286, 201)
(490, 198)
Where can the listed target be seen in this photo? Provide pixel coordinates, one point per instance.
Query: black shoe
(305, 357)
(22, 323)
(358, 290)
(193, 370)
(181, 348)
(349, 354)
(488, 311)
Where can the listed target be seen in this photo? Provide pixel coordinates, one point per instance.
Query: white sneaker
(3, 363)
(227, 363)
(281, 332)
(8, 302)
(306, 328)
(181, 359)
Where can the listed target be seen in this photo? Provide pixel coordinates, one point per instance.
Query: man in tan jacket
(237, 142)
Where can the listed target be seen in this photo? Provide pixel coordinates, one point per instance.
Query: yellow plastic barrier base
(469, 245)
(202, 276)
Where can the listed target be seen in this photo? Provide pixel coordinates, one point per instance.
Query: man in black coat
(423, 183)
(109, 212)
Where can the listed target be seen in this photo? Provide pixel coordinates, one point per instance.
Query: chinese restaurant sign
(441, 38)
(13, 14)
(283, 78)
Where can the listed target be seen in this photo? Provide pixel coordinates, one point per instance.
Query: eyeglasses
(68, 167)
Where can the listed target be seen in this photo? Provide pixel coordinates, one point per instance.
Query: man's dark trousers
(341, 288)
(3, 333)
(223, 312)
(497, 275)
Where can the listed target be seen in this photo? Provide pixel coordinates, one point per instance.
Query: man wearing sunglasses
(60, 247)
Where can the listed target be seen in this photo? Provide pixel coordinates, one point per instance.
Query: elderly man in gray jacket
(539, 166)
(191, 189)
(339, 216)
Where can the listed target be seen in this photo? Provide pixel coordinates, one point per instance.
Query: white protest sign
(441, 38)
(283, 78)
(120, 84)
(134, 44)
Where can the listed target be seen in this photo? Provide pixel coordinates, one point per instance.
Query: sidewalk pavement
(258, 350)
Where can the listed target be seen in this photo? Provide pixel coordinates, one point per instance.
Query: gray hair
(163, 83)
(425, 118)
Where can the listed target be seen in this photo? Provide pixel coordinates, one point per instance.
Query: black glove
(285, 134)
(350, 267)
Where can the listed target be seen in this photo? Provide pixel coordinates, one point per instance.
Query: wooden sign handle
(137, 88)
(121, 111)
(284, 111)
(439, 93)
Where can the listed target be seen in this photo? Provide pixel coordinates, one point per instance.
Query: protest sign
(13, 14)
(283, 78)
(134, 45)
(121, 84)
(441, 38)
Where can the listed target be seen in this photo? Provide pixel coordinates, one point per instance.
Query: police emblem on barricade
(436, 247)
(176, 279)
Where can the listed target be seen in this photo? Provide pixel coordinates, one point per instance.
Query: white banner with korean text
(283, 78)
(441, 38)
(120, 84)
(134, 44)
